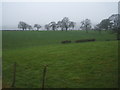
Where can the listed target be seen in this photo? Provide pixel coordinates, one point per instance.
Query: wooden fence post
(14, 75)
(44, 76)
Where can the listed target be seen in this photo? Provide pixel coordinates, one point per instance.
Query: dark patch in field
(85, 40)
(77, 41)
(66, 41)
(107, 40)
(118, 39)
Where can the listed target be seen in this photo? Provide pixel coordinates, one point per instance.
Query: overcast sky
(45, 12)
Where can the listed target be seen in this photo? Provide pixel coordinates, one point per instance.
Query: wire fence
(14, 73)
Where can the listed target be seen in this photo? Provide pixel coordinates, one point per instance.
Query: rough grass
(75, 65)
(19, 39)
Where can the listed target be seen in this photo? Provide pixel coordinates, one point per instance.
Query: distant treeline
(111, 23)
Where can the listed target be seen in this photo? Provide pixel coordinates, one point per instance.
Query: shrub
(66, 41)
(85, 40)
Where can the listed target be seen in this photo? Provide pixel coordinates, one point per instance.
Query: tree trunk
(62, 29)
(86, 31)
(66, 28)
(53, 29)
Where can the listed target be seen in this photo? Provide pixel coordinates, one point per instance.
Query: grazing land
(70, 65)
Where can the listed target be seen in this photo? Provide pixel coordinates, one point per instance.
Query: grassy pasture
(19, 39)
(74, 65)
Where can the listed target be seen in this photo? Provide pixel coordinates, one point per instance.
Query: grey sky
(45, 12)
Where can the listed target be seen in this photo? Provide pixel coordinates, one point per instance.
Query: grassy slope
(18, 39)
(91, 64)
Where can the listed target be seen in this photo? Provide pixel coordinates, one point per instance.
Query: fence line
(14, 75)
(14, 66)
(44, 76)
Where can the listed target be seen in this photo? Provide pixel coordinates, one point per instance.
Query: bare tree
(47, 27)
(115, 20)
(29, 27)
(37, 26)
(53, 25)
(86, 25)
(97, 27)
(71, 25)
(105, 24)
(65, 23)
(60, 25)
(22, 25)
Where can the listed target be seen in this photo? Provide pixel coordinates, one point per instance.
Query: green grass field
(73, 65)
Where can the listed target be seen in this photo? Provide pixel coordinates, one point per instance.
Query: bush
(85, 40)
(66, 41)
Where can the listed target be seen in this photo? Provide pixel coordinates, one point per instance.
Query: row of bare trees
(111, 23)
(64, 24)
(24, 26)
